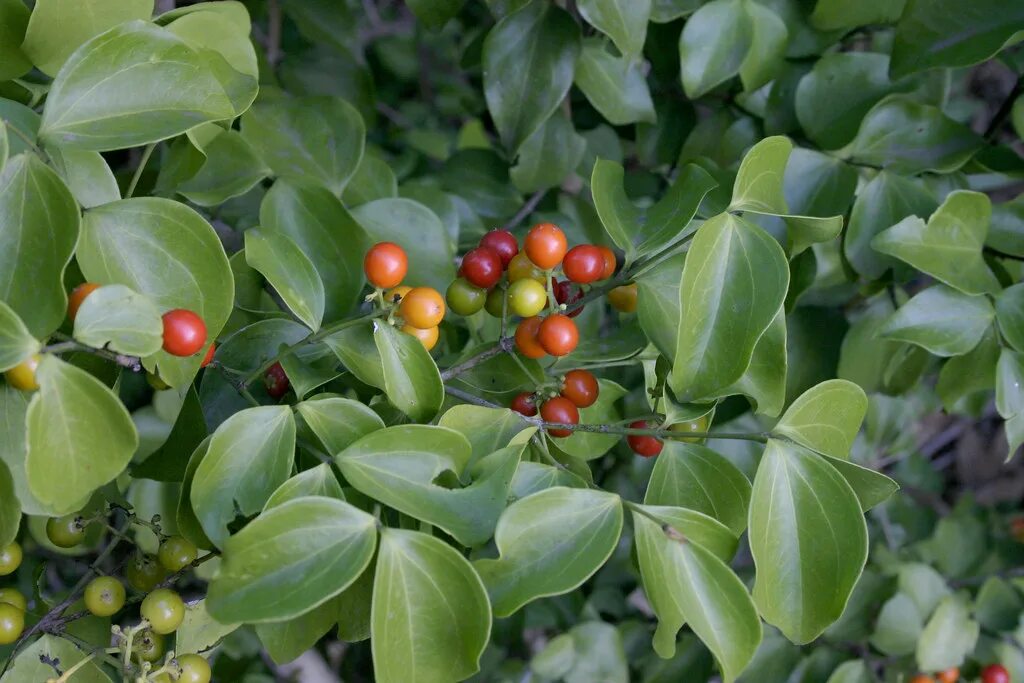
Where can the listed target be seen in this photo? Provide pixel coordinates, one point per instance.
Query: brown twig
(525, 210)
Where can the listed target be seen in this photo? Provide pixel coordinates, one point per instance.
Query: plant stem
(146, 153)
(27, 140)
(70, 672)
(501, 346)
(525, 210)
(68, 344)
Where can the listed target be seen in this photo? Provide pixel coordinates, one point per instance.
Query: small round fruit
(12, 623)
(526, 338)
(567, 293)
(396, 294)
(921, 678)
(208, 358)
(995, 673)
(698, 426)
(522, 268)
(423, 307)
(503, 243)
(385, 265)
(149, 646)
(951, 675)
(610, 262)
(623, 299)
(23, 375)
(1017, 529)
(524, 404)
(527, 297)
(583, 264)
(10, 558)
(482, 267)
(12, 596)
(184, 332)
(164, 610)
(560, 410)
(67, 531)
(104, 596)
(176, 553)
(546, 245)
(144, 573)
(464, 298)
(77, 296)
(642, 444)
(495, 302)
(162, 678)
(581, 388)
(427, 337)
(193, 669)
(276, 380)
(558, 335)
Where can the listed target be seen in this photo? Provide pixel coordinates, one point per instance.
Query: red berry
(78, 295)
(643, 445)
(610, 262)
(995, 673)
(558, 335)
(545, 244)
(583, 264)
(277, 381)
(581, 388)
(567, 293)
(503, 243)
(524, 404)
(385, 265)
(482, 267)
(560, 410)
(208, 358)
(184, 332)
(526, 338)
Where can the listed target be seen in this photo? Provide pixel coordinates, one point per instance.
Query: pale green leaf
(1010, 314)
(339, 422)
(31, 663)
(702, 529)
(87, 175)
(16, 342)
(486, 429)
(289, 271)
(10, 508)
(411, 378)
(826, 417)
(115, 317)
(948, 637)
(942, 320)
(317, 481)
(898, 627)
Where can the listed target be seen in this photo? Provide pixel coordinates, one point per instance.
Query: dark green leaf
(1010, 314)
(231, 168)
(14, 18)
(435, 13)
(624, 21)
(548, 155)
(614, 85)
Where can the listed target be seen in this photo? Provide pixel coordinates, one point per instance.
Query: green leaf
(289, 271)
(998, 605)
(600, 654)
(399, 466)
(532, 477)
(948, 637)
(32, 663)
(79, 435)
(168, 252)
(169, 462)
(286, 640)
(39, 225)
(854, 671)
(899, 626)
(714, 44)
(356, 348)
(934, 33)
(231, 168)
(419, 231)
(695, 477)
(548, 155)
(411, 378)
(549, 544)
(734, 283)
(973, 372)
(624, 21)
(941, 320)
(435, 13)
(55, 29)
(87, 175)
(664, 11)
(871, 488)
(290, 559)
(486, 429)
(339, 422)
(831, 15)
(135, 84)
(528, 62)
(1010, 383)
(14, 18)
(948, 247)
(117, 318)
(373, 179)
(808, 539)
(686, 583)
(767, 49)
(317, 481)
(249, 456)
(1006, 233)
(702, 529)
(590, 445)
(326, 233)
(907, 137)
(199, 631)
(1010, 314)
(185, 517)
(658, 308)
(431, 618)
(10, 508)
(615, 86)
(826, 417)
(16, 342)
(318, 139)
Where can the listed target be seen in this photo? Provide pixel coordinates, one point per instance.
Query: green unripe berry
(193, 669)
(12, 596)
(144, 573)
(12, 623)
(176, 553)
(164, 610)
(67, 531)
(10, 558)
(464, 298)
(494, 301)
(527, 297)
(148, 645)
(104, 596)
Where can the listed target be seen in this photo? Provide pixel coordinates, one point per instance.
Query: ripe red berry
(560, 410)
(581, 388)
(545, 244)
(78, 295)
(610, 262)
(526, 338)
(951, 675)
(524, 404)
(558, 335)
(208, 358)
(644, 445)
(503, 243)
(583, 264)
(995, 673)
(184, 332)
(482, 267)
(567, 293)
(277, 381)
(385, 265)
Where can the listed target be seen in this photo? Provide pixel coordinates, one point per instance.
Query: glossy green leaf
(411, 378)
(326, 233)
(871, 488)
(1010, 383)
(658, 307)
(1006, 233)
(854, 671)
(231, 168)
(16, 342)
(532, 477)
(836, 14)
(199, 631)
(317, 481)
(695, 477)
(249, 456)
(168, 252)
(39, 225)
(767, 49)
(898, 627)
(431, 618)
(286, 640)
(764, 380)
(318, 139)
(734, 282)
(947, 247)
(79, 435)
(114, 91)
(702, 529)
(185, 517)
(528, 62)
(10, 508)
(942, 320)
(1010, 314)
(356, 348)
(32, 663)
(550, 543)
(435, 13)
(86, 174)
(615, 86)
(486, 429)
(624, 21)
(289, 271)
(339, 422)
(14, 18)
(808, 539)
(713, 45)
(825, 418)
(663, 11)
(948, 637)
(548, 155)
(373, 179)
(686, 583)
(291, 559)
(117, 318)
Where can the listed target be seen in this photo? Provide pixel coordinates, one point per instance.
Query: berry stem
(67, 345)
(503, 345)
(78, 665)
(146, 153)
(552, 302)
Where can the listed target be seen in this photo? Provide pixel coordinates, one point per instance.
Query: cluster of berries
(579, 389)
(993, 673)
(421, 308)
